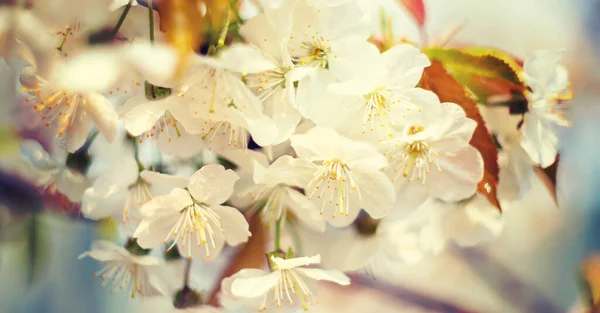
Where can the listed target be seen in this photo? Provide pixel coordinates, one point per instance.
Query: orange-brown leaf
(548, 177)
(251, 255)
(437, 79)
(182, 23)
(590, 274)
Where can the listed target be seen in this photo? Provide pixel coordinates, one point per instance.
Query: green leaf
(485, 76)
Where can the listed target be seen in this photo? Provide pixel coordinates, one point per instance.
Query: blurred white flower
(550, 88)
(136, 274)
(121, 191)
(66, 109)
(51, 173)
(466, 223)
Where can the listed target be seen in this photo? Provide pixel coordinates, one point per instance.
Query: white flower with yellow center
(268, 68)
(223, 111)
(550, 89)
(51, 173)
(288, 283)
(193, 219)
(341, 176)
(275, 191)
(326, 37)
(375, 100)
(124, 189)
(433, 157)
(466, 223)
(126, 271)
(67, 110)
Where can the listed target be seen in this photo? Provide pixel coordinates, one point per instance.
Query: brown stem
(251, 255)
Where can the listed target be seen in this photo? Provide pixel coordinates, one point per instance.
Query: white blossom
(122, 270)
(549, 83)
(341, 176)
(193, 218)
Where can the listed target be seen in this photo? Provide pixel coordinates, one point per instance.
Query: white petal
(184, 144)
(234, 223)
(170, 204)
(104, 251)
(251, 287)
(37, 156)
(538, 141)
(103, 114)
(286, 170)
(162, 184)
(212, 184)
(305, 211)
(296, 262)
(404, 64)
(327, 275)
(377, 191)
(74, 138)
(245, 158)
(71, 183)
(153, 232)
(461, 172)
(96, 206)
(105, 64)
(143, 114)
(245, 58)
(155, 62)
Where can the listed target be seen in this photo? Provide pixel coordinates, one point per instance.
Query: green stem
(122, 18)
(278, 235)
(223, 35)
(151, 19)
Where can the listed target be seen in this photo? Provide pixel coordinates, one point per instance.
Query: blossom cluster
(297, 118)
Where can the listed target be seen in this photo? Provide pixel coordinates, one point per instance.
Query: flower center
(266, 83)
(117, 275)
(54, 106)
(315, 52)
(290, 286)
(166, 124)
(139, 194)
(235, 136)
(379, 104)
(198, 223)
(63, 34)
(333, 184)
(412, 160)
(272, 201)
(555, 107)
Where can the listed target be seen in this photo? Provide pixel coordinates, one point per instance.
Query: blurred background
(532, 267)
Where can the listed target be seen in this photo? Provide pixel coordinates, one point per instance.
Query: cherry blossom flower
(51, 173)
(275, 192)
(466, 223)
(193, 217)
(374, 100)
(66, 109)
(124, 189)
(549, 83)
(287, 283)
(432, 157)
(123, 270)
(342, 176)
